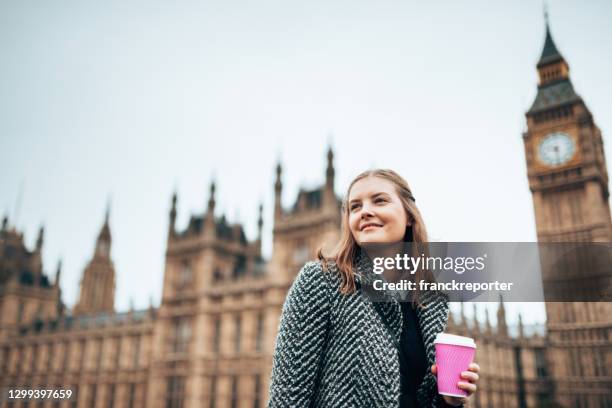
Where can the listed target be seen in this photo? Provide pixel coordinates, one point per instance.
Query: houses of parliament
(210, 341)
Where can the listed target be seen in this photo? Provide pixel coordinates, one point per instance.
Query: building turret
(211, 200)
(278, 189)
(172, 224)
(58, 273)
(502, 326)
(104, 241)
(259, 228)
(329, 197)
(37, 260)
(209, 217)
(41, 238)
(97, 292)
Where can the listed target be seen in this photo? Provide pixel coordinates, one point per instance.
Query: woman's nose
(366, 213)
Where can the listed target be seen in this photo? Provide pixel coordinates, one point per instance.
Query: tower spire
(209, 229)
(97, 292)
(108, 208)
(555, 89)
(278, 188)
(260, 221)
(330, 172)
(329, 196)
(502, 327)
(41, 238)
(58, 273)
(550, 53)
(211, 199)
(172, 226)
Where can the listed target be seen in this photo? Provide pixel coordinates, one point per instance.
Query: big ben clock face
(556, 149)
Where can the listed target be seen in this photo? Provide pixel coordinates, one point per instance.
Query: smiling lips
(369, 224)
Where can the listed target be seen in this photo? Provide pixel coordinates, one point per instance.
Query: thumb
(434, 369)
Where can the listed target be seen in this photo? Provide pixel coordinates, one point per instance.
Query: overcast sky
(132, 100)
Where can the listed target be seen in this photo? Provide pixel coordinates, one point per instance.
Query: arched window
(186, 274)
(20, 310)
(257, 393)
(217, 334)
(234, 400)
(175, 393)
(181, 335)
(238, 333)
(260, 332)
(213, 392)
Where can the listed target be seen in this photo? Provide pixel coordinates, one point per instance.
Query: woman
(337, 348)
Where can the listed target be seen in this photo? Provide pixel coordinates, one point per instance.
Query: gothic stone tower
(312, 222)
(208, 341)
(26, 295)
(569, 182)
(98, 281)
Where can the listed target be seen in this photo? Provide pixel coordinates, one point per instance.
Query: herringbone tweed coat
(332, 350)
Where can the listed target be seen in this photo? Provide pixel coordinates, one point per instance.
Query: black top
(414, 366)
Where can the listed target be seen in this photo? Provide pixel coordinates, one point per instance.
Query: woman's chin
(373, 239)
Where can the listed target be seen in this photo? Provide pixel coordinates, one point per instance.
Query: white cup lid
(454, 339)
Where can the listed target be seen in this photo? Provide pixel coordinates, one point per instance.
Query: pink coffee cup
(453, 356)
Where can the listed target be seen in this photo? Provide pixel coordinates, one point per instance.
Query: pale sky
(131, 100)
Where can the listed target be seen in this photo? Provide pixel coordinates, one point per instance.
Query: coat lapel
(432, 318)
(389, 300)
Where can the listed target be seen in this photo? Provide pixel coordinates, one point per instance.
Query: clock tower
(568, 179)
(565, 158)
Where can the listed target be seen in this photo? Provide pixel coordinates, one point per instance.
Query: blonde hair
(347, 248)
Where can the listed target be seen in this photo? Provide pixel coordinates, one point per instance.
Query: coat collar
(432, 316)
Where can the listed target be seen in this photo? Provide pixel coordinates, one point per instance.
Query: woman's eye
(354, 207)
(380, 200)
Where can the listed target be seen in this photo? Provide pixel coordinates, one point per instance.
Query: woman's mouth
(370, 226)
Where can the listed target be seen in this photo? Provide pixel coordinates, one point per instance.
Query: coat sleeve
(302, 333)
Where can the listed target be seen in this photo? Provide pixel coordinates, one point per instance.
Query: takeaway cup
(453, 356)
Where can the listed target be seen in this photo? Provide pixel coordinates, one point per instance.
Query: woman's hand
(469, 386)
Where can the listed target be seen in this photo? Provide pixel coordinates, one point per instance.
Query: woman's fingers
(469, 387)
(474, 367)
(434, 369)
(470, 376)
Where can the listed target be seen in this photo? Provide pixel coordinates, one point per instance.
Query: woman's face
(376, 213)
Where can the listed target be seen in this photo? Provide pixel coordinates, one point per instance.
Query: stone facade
(210, 341)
